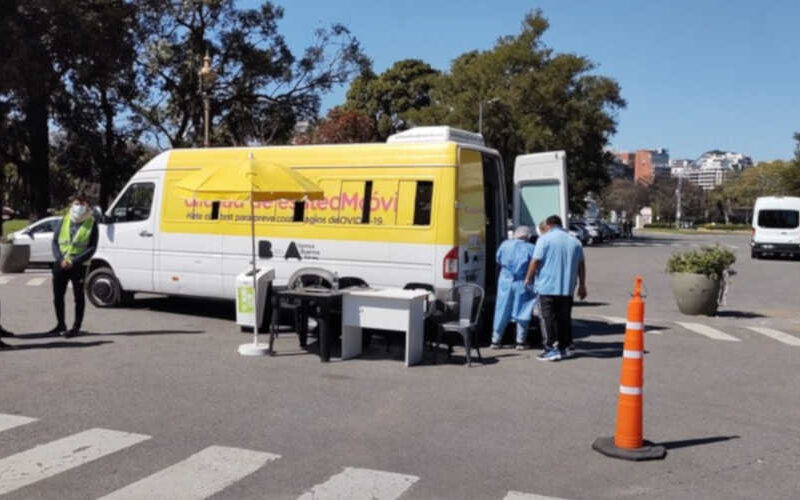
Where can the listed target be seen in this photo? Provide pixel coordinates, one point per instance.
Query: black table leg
(324, 336)
(302, 327)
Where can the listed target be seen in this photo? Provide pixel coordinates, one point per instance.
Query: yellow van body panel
(342, 171)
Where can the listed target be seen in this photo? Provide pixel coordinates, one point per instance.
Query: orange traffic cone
(628, 443)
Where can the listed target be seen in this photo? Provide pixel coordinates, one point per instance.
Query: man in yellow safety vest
(73, 246)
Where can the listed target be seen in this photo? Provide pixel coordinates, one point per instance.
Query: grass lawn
(9, 226)
(690, 231)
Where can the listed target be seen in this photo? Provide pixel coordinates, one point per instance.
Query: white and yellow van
(429, 206)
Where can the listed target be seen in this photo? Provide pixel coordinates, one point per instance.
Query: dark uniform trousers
(557, 317)
(76, 275)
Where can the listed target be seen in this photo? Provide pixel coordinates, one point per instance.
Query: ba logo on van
(292, 252)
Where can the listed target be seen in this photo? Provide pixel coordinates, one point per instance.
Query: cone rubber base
(649, 451)
(252, 349)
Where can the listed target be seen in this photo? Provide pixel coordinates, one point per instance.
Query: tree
(37, 47)
(386, 98)
(340, 126)
(623, 195)
(262, 89)
(534, 100)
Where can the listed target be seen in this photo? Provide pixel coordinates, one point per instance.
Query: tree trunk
(107, 166)
(39, 166)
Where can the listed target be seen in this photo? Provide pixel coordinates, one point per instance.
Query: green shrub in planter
(710, 261)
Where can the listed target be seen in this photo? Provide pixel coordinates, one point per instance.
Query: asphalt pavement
(155, 399)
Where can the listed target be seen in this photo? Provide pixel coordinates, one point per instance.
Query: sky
(697, 75)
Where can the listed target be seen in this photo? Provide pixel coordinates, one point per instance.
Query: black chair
(306, 277)
(465, 303)
(346, 282)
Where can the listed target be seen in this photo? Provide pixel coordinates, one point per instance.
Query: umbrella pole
(253, 251)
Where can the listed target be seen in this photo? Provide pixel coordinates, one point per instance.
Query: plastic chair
(467, 300)
(306, 277)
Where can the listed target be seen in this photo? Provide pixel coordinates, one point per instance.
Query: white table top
(387, 293)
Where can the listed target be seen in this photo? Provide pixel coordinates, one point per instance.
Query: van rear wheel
(103, 288)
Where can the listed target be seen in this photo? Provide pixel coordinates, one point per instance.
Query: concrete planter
(14, 258)
(695, 293)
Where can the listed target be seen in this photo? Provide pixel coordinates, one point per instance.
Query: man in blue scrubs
(556, 265)
(514, 298)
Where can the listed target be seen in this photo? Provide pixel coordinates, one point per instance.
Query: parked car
(595, 232)
(616, 230)
(39, 236)
(579, 232)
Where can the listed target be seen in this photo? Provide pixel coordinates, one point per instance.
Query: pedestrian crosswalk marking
(199, 476)
(4, 280)
(516, 495)
(777, 335)
(46, 460)
(36, 281)
(361, 484)
(709, 332)
(11, 421)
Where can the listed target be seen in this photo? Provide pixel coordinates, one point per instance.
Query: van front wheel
(103, 288)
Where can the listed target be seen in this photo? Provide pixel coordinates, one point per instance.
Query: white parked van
(429, 206)
(776, 226)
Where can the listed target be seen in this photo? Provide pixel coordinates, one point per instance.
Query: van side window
(367, 202)
(422, 203)
(135, 204)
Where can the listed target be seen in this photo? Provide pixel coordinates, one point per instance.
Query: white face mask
(78, 211)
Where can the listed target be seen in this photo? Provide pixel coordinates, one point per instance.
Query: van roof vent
(436, 134)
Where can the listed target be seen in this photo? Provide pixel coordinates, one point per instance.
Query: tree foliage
(340, 126)
(387, 97)
(262, 89)
(533, 99)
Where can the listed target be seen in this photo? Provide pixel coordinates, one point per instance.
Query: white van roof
(436, 134)
(777, 202)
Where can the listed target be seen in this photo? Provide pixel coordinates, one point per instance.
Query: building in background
(619, 170)
(711, 168)
(647, 164)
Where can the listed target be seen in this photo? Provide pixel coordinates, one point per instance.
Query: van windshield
(779, 219)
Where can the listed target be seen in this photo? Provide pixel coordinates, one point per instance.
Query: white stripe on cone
(630, 391)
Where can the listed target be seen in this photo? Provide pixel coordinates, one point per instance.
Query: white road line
(5, 280)
(516, 495)
(11, 421)
(361, 484)
(46, 460)
(709, 332)
(199, 476)
(777, 335)
(36, 281)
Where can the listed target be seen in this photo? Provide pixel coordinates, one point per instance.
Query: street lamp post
(206, 77)
(480, 112)
(678, 199)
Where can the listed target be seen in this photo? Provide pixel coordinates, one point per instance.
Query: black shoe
(58, 330)
(5, 333)
(72, 332)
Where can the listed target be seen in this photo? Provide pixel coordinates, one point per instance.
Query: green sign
(246, 300)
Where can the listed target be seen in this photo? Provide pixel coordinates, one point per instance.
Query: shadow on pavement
(588, 349)
(135, 333)
(59, 345)
(578, 303)
(206, 308)
(671, 445)
(739, 314)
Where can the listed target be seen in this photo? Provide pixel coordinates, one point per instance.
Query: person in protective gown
(515, 301)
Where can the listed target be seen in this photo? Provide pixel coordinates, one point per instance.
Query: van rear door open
(540, 188)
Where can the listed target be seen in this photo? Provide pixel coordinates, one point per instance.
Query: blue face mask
(78, 212)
